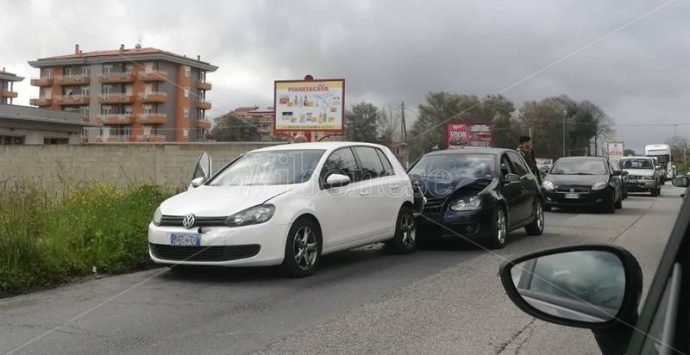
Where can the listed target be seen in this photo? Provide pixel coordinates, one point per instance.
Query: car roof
(316, 145)
(636, 158)
(591, 157)
(494, 151)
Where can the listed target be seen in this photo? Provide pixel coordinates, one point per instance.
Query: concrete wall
(121, 164)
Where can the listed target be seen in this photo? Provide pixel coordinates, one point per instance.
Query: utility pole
(403, 126)
(564, 115)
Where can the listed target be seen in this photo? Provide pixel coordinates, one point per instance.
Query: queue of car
(288, 205)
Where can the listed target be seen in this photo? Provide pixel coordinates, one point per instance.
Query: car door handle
(363, 193)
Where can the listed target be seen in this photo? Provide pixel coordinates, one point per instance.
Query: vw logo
(188, 221)
(571, 190)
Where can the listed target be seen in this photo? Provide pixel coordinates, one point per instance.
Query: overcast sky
(393, 51)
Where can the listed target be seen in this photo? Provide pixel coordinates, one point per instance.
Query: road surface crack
(517, 334)
(613, 240)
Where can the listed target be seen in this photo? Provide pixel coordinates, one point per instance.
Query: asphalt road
(445, 299)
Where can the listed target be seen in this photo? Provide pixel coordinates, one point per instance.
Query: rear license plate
(185, 239)
(572, 196)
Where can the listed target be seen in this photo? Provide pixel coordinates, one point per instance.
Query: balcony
(203, 85)
(202, 124)
(150, 138)
(7, 93)
(116, 98)
(203, 105)
(72, 100)
(117, 119)
(41, 102)
(153, 118)
(153, 75)
(116, 139)
(42, 81)
(153, 97)
(116, 77)
(72, 79)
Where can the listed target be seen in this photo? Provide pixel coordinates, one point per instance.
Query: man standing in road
(525, 149)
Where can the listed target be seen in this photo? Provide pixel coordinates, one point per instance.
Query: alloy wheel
(305, 248)
(501, 227)
(408, 230)
(540, 217)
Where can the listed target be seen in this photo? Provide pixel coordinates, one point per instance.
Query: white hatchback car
(287, 205)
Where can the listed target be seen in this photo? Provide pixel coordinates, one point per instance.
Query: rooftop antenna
(140, 39)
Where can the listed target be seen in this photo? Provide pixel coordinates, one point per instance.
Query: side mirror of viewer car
(587, 286)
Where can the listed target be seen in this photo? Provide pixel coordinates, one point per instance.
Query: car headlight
(548, 185)
(157, 216)
(600, 185)
(252, 215)
(464, 204)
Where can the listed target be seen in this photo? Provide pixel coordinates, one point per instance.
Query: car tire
(537, 226)
(654, 192)
(405, 239)
(302, 249)
(610, 204)
(547, 207)
(619, 203)
(499, 230)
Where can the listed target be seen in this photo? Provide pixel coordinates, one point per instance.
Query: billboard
(309, 105)
(616, 150)
(462, 135)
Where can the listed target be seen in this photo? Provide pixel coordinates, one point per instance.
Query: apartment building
(7, 81)
(135, 94)
(263, 118)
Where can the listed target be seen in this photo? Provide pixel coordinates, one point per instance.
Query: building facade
(24, 125)
(262, 118)
(135, 95)
(7, 92)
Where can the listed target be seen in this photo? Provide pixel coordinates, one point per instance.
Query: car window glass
(520, 168)
(342, 161)
(371, 164)
(387, 166)
(655, 333)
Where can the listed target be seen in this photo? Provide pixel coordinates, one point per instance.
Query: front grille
(176, 221)
(208, 253)
(573, 189)
(434, 205)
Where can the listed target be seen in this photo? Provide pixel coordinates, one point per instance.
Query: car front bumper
(640, 185)
(451, 224)
(253, 245)
(590, 199)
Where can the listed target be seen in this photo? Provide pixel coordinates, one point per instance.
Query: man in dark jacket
(525, 149)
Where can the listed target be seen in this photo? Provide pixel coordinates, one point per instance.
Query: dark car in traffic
(588, 182)
(479, 193)
(623, 177)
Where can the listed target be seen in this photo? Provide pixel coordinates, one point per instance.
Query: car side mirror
(198, 181)
(587, 286)
(508, 178)
(203, 167)
(336, 180)
(681, 181)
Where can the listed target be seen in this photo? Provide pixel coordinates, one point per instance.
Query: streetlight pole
(564, 115)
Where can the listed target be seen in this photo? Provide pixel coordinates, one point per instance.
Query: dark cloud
(392, 51)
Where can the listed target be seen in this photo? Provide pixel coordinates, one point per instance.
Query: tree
(388, 126)
(629, 152)
(230, 128)
(362, 123)
(680, 147)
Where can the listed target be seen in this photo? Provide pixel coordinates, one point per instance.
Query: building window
(201, 114)
(187, 71)
(128, 110)
(201, 95)
(185, 112)
(202, 75)
(47, 73)
(11, 140)
(55, 140)
(186, 92)
(84, 110)
(185, 132)
(85, 91)
(106, 109)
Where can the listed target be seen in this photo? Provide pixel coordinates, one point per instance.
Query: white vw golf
(287, 205)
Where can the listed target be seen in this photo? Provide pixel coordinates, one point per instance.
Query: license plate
(185, 239)
(572, 196)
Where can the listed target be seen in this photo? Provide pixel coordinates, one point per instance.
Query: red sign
(462, 135)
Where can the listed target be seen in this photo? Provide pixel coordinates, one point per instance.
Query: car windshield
(637, 164)
(454, 166)
(579, 167)
(279, 167)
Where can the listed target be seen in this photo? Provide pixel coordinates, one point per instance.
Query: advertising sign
(463, 135)
(616, 150)
(309, 105)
